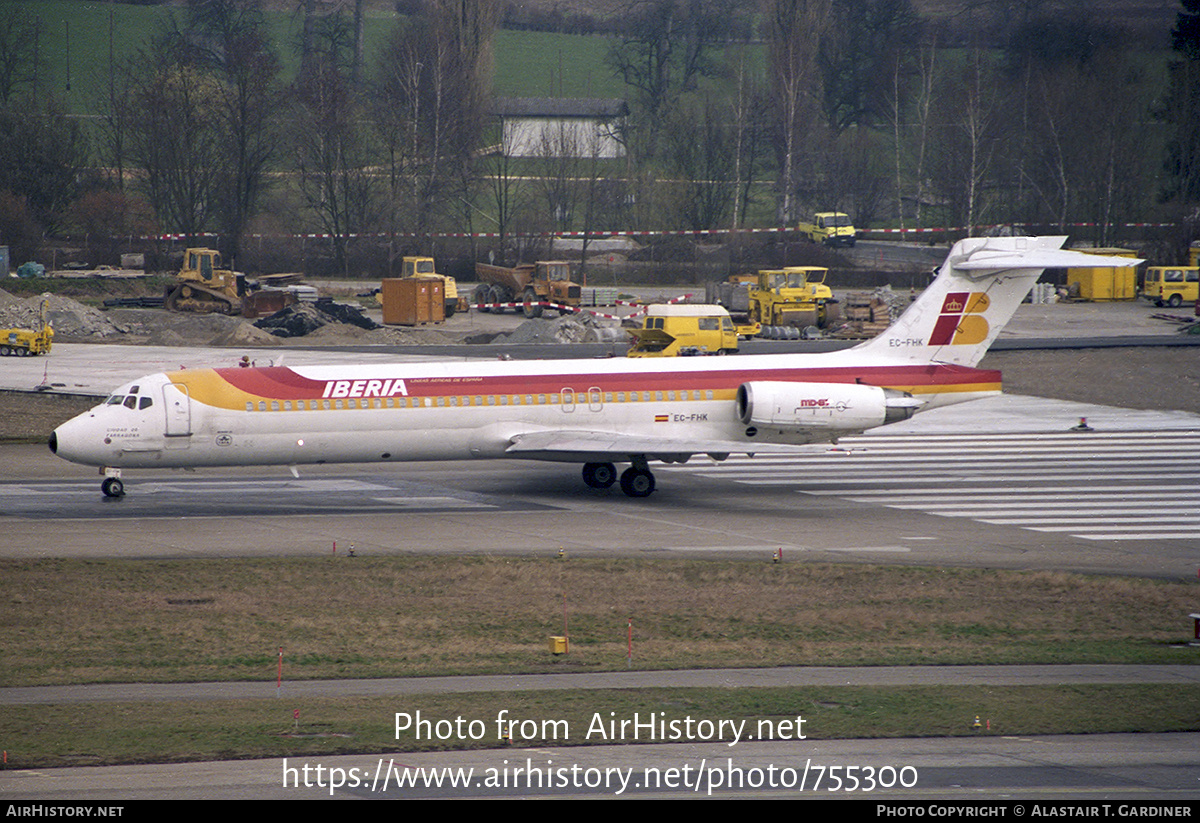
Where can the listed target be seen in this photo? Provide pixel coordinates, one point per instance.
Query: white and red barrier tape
(605, 235)
(576, 309)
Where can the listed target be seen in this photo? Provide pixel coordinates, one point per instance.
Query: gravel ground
(1136, 378)
(1156, 377)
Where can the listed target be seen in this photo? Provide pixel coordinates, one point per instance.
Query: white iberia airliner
(594, 412)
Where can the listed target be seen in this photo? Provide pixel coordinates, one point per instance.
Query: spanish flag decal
(661, 418)
(960, 321)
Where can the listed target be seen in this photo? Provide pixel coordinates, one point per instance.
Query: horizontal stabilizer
(1043, 259)
(975, 294)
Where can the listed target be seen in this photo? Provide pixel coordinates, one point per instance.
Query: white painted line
(1083, 529)
(951, 479)
(1183, 535)
(432, 502)
(1050, 521)
(948, 492)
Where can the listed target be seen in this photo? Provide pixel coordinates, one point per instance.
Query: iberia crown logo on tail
(961, 320)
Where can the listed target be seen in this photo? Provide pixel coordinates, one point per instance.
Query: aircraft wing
(619, 447)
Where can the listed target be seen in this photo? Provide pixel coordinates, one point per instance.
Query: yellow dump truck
(833, 228)
(531, 284)
(683, 331)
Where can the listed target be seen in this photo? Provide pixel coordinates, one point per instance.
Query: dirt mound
(71, 319)
(570, 328)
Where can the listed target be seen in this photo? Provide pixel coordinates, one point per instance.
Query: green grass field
(113, 733)
(80, 41)
(115, 621)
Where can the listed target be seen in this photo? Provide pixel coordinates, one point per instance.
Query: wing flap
(620, 446)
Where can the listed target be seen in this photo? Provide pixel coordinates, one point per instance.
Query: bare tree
(431, 98)
(749, 127)
(560, 152)
(174, 135)
(967, 144)
(1181, 109)
(232, 42)
(863, 46)
(924, 107)
(19, 57)
(331, 148)
(42, 155)
(665, 51)
(702, 160)
(794, 31)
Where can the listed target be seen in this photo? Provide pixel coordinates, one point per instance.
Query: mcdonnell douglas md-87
(595, 412)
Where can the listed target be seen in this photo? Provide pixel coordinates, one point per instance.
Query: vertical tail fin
(975, 294)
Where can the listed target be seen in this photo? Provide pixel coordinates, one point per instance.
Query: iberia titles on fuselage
(595, 412)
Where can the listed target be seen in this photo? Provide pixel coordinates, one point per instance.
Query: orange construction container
(413, 301)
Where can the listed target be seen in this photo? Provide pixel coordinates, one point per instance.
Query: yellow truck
(683, 331)
(25, 342)
(531, 284)
(833, 228)
(783, 303)
(1171, 285)
(423, 267)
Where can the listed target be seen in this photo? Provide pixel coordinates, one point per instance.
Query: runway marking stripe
(1028, 504)
(1049, 465)
(1124, 486)
(1030, 454)
(1130, 436)
(1038, 521)
(939, 491)
(874, 480)
(1106, 498)
(1185, 535)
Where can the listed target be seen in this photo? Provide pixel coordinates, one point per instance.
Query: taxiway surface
(1003, 483)
(1000, 483)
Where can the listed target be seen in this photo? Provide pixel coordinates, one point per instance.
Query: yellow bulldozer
(203, 287)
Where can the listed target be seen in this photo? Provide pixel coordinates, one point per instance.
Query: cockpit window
(133, 389)
(145, 403)
(115, 400)
(131, 402)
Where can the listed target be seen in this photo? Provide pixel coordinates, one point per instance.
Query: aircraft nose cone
(75, 442)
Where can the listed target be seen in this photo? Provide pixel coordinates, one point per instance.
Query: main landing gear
(599, 475)
(636, 481)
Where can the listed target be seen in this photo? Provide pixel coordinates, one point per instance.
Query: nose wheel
(112, 487)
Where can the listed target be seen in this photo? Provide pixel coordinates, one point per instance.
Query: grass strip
(118, 621)
(116, 733)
